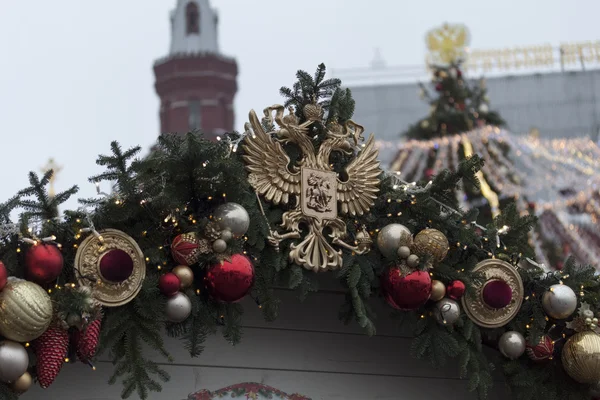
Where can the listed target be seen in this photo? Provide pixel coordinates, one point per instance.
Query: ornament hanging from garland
(178, 308)
(431, 244)
(560, 302)
(86, 341)
(542, 351)
(26, 310)
(456, 290)
(3, 275)
(322, 198)
(438, 290)
(406, 291)
(185, 276)
(512, 345)
(50, 349)
(13, 361)
(395, 240)
(230, 281)
(187, 248)
(22, 384)
(496, 305)
(114, 259)
(233, 220)
(581, 357)
(169, 284)
(43, 263)
(447, 312)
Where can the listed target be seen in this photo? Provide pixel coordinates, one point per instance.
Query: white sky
(76, 74)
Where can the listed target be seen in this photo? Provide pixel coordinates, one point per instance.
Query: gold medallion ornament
(319, 196)
(498, 298)
(447, 44)
(113, 264)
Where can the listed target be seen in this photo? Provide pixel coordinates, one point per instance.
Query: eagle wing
(357, 195)
(267, 163)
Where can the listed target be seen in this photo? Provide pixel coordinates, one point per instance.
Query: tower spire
(194, 28)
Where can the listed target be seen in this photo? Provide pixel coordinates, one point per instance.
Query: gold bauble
(431, 242)
(22, 384)
(185, 275)
(438, 290)
(25, 310)
(581, 357)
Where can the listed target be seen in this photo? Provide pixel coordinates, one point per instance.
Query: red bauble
(429, 173)
(185, 249)
(406, 292)
(458, 73)
(455, 290)
(43, 263)
(3, 275)
(543, 351)
(438, 87)
(169, 284)
(496, 294)
(116, 265)
(229, 282)
(50, 349)
(461, 106)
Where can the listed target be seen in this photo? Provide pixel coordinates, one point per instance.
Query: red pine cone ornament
(50, 349)
(86, 341)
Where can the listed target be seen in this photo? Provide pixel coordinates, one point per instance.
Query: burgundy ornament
(185, 248)
(543, 351)
(169, 284)
(438, 87)
(43, 263)
(458, 73)
(116, 265)
(455, 290)
(3, 275)
(230, 281)
(496, 294)
(406, 292)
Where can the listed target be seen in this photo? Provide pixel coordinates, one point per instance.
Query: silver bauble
(447, 311)
(233, 217)
(403, 252)
(13, 361)
(226, 235)
(391, 238)
(512, 345)
(560, 302)
(412, 261)
(178, 308)
(219, 246)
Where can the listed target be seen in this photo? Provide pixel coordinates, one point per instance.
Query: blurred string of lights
(561, 176)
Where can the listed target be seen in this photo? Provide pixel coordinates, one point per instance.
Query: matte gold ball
(438, 290)
(581, 357)
(431, 242)
(22, 384)
(185, 275)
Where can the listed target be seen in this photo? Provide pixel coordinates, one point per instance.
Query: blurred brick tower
(195, 82)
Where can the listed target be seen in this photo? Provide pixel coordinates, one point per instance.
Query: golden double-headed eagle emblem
(447, 44)
(310, 185)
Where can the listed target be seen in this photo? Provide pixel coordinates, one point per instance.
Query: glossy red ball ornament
(116, 265)
(438, 87)
(496, 294)
(169, 284)
(455, 290)
(43, 263)
(229, 282)
(3, 275)
(406, 292)
(543, 351)
(185, 248)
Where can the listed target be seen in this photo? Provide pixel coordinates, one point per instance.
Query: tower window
(194, 118)
(192, 18)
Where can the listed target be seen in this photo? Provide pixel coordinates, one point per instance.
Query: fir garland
(177, 188)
